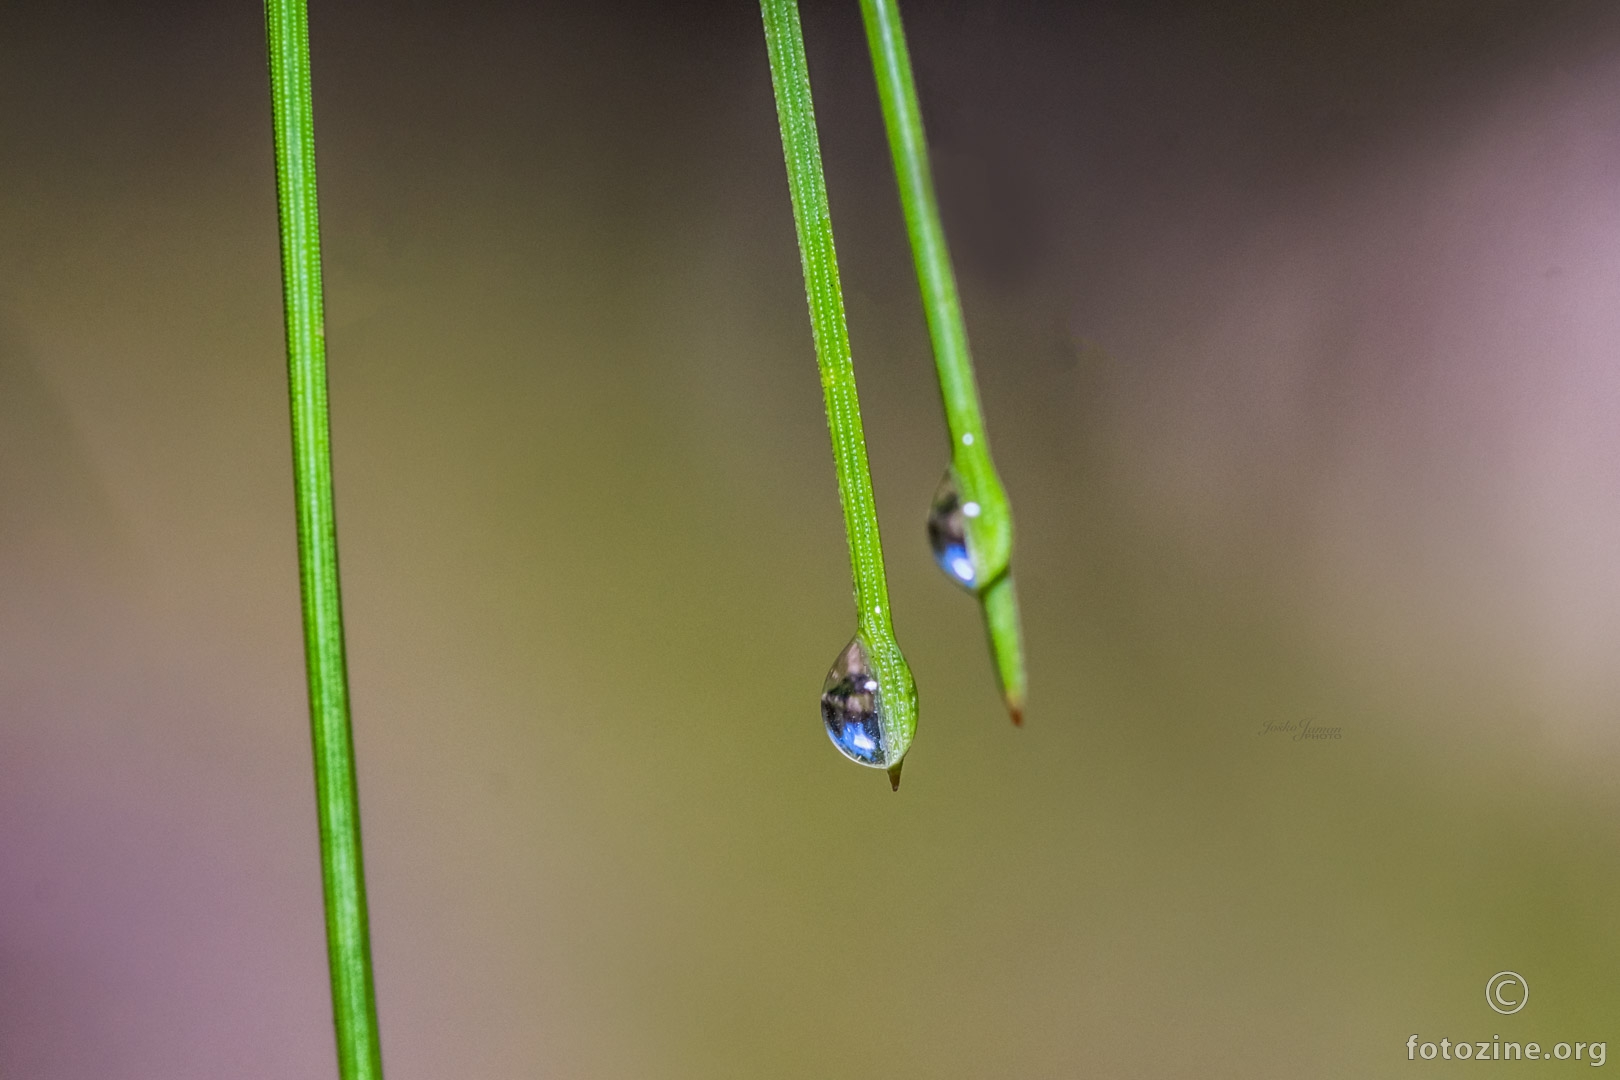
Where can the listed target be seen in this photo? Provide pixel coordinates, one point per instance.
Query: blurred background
(1296, 326)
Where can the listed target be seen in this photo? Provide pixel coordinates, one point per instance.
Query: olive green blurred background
(1296, 329)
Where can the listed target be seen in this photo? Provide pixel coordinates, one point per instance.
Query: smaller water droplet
(852, 707)
(947, 532)
(967, 438)
(971, 509)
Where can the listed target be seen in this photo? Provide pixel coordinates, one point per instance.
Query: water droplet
(852, 707)
(947, 532)
(967, 438)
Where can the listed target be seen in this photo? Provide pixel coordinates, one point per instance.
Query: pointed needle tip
(894, 776)
(1015, 709)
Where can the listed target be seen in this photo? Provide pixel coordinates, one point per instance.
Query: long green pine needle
(354, 1008)
(990, 532)
(790, 76)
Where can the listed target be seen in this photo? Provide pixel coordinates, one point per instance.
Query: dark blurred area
(1295, 325)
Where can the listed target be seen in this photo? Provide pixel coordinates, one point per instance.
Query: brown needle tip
(894, 775)
(1015, 709)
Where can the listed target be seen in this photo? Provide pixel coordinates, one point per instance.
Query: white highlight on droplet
(962, 568)
(971, 509)
(967, 438)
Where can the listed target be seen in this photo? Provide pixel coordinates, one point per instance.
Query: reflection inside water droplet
(852, 707)
(947, 531)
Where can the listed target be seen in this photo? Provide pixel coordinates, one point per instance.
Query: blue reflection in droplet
(947, 532)
(852, 707)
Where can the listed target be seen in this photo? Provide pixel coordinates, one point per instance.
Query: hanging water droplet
(947, 531)
(852, 707)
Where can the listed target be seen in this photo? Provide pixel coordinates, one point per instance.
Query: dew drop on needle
(947, 532)
(852, 707)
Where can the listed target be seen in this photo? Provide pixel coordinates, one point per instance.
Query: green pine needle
(354, 1008)
(989, 534)
(790, 76)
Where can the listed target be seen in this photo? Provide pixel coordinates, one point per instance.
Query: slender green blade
(354, 1008)
(790, 77)
(990, 532)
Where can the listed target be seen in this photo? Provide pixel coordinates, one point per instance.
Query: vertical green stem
(990, 531)
(354, 1008)
(811, 217)
(790, 76)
